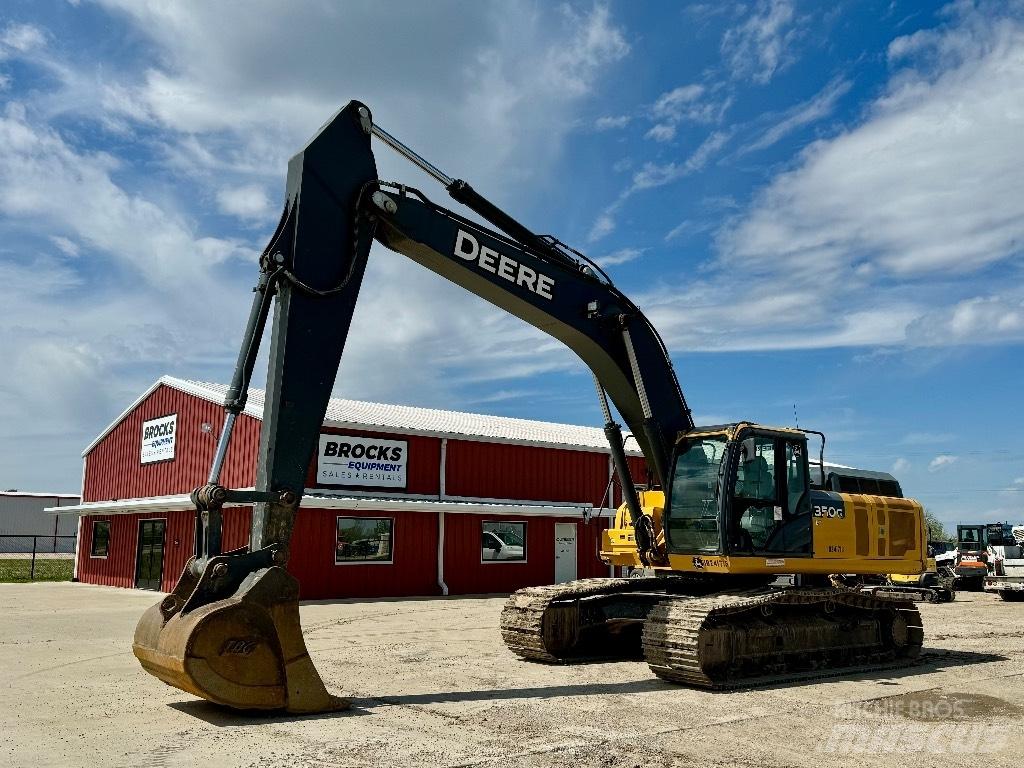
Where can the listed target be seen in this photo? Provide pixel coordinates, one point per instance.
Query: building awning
(182, 501)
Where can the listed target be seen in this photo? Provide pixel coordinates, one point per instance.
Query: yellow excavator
(730, 508)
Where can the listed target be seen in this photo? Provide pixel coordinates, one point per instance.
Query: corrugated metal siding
(118, 568)
(236, 527)
(466, 574)
(423, 473)
(24, 516)
(114, 471)
(637, 468)
(500, 471)
(588, 545)
(413, 572)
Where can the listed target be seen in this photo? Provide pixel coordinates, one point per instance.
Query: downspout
(78, 540)
(440, 519)
(440, 554)
(78, 531)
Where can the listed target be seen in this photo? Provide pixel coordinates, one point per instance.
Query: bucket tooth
(245, 651)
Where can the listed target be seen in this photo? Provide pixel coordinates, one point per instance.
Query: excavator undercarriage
(707, 636)
(720, 639)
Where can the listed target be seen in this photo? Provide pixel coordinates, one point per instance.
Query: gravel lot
(433, 685)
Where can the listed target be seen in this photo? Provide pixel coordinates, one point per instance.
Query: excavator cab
(741, 490)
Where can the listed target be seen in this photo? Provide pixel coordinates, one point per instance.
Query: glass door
(149, 563)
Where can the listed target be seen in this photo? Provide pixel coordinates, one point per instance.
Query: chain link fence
(45, 557)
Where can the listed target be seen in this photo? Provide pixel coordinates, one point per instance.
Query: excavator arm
(229, 631)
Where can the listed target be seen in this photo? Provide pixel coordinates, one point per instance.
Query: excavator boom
(229, 631)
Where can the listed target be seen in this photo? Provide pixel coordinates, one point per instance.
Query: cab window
(755, 474)
(693, 503)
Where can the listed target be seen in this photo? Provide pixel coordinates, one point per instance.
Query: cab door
(771, 509)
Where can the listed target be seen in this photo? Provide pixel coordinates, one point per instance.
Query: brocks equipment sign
(158, 439)
(371, 461)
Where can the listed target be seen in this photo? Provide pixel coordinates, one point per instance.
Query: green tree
(937, 531)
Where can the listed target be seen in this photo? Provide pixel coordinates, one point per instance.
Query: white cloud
(21, 38)
(760, 46)
(661, 132)
(684, 104)
(248, 201)
(603, 225)
(608, 123)
(723, 314)
(927, 438)
(900, 466)
(653, 175)
(621, 256)
(941, 461)
(680, 103)
(44, 180)
(66, 246)
(978, 320)
(817, 107)
(689, 227)
(927, 183)
(922, 188)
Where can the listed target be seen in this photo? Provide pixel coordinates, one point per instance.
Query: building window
(100, 538)
(364, 540)
(503, 541)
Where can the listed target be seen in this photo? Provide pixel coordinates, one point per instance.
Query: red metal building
(400, 500)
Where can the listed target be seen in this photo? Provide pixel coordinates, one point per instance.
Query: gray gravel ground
(433, 685)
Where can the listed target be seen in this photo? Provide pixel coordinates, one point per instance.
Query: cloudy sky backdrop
(819, 204)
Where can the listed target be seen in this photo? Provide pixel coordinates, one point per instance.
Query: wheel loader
(730, 507)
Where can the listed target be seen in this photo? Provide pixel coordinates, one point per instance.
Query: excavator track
(550, 623)
(769, 636)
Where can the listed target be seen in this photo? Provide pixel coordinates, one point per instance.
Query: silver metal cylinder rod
(638, 380)
(603, 400)
(222, 448)
(411, 156)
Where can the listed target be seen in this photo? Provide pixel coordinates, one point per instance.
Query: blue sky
(819, 205)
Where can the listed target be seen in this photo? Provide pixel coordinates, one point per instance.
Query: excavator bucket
(244, 651)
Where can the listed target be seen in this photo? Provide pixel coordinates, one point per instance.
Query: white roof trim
(182, 501)
(39, 495)
(212, 393)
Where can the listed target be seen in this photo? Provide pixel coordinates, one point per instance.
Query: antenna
(796, 419)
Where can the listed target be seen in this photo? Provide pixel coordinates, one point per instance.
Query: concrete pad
(434, 686)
